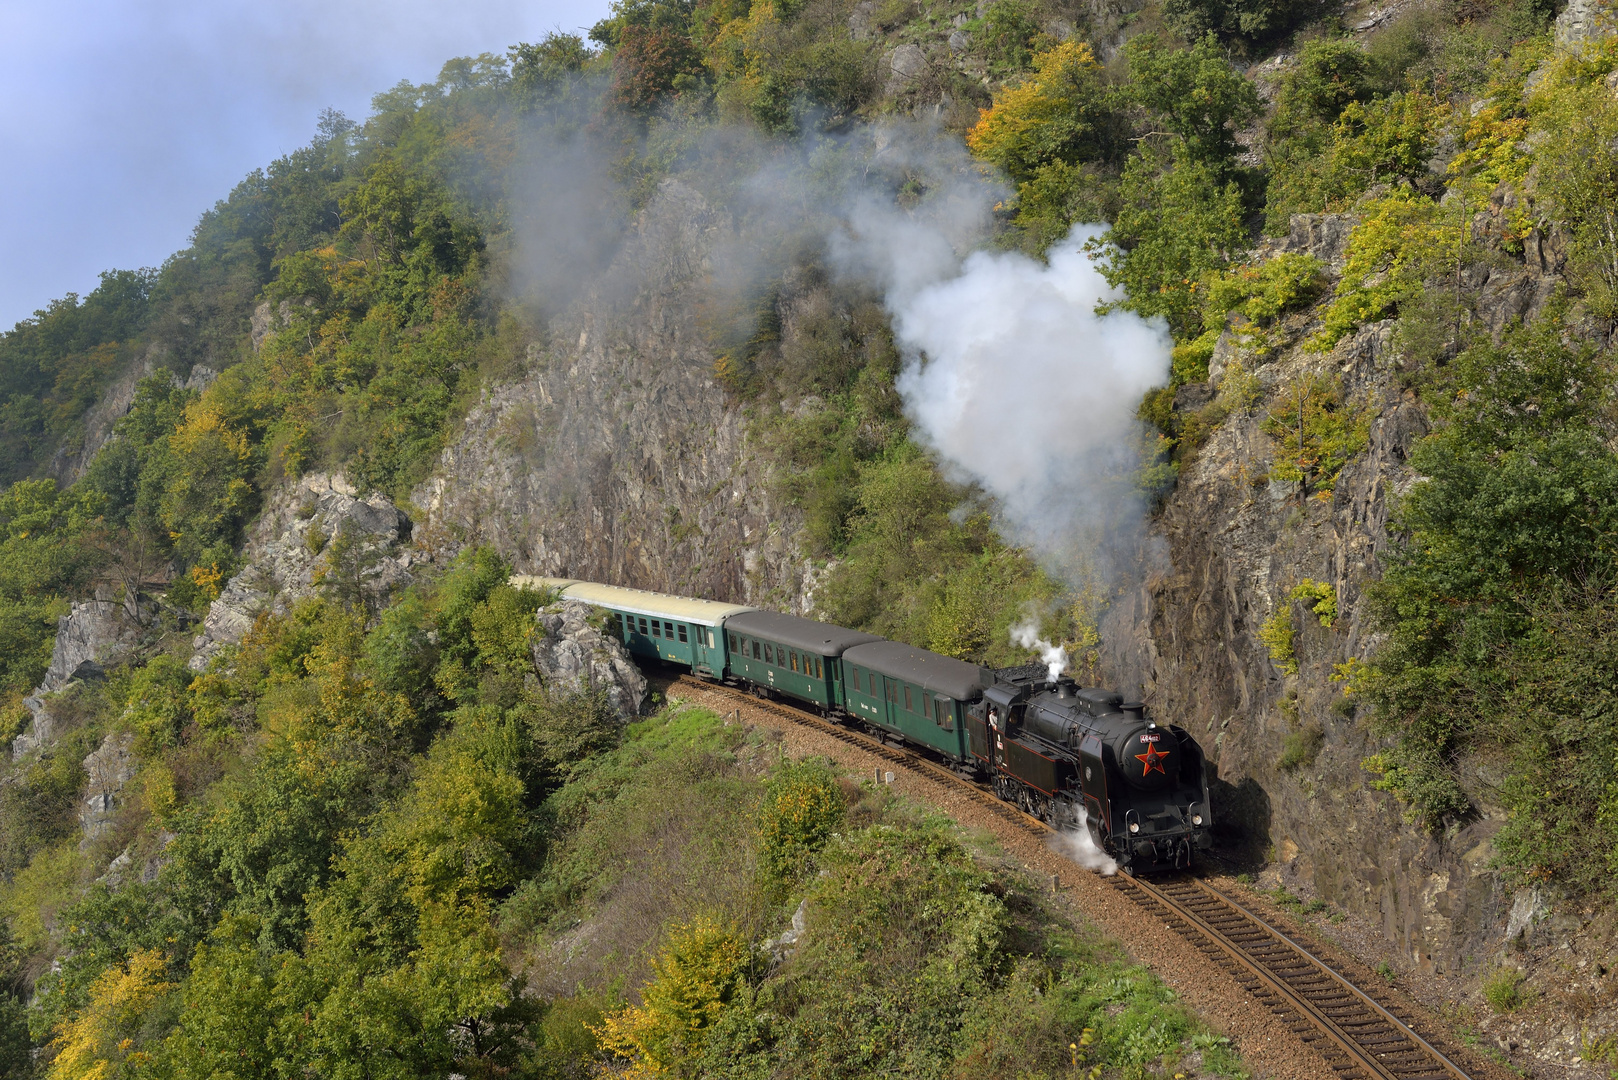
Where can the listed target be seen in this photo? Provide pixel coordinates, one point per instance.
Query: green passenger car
(655, 626)
(914, 693)
(794, 656)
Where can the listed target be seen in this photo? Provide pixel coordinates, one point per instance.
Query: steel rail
(1359, 1056)
(1331, 973)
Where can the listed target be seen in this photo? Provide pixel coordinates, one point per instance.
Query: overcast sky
(122, 122)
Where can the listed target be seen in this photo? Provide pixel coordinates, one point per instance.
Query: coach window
(710, 639)
(908, 707)
(643, 627)
(657, 627)
(756, 653)
(893, 690)
(681, 629)
(870, 683)
(818, 670)
(794, 660)
(733, 645)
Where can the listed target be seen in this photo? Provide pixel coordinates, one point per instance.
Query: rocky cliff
(1235, 544)
(616, 457)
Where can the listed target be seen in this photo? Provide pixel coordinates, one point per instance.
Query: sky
(123, 121)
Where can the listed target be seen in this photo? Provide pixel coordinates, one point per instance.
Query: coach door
(704, 649)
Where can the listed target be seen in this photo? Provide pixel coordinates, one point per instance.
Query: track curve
(1358, 1035)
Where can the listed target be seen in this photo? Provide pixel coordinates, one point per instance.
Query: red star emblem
(1152, 759)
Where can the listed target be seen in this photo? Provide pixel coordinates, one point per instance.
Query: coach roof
(798, 633)
(940, 674)
(639, 601)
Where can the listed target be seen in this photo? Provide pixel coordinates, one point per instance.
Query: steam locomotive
(1077, 757)
(1082, 757)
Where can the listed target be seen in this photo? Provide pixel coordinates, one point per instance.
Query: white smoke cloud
(1076, 846)
(1015, 381)
(1026, 635)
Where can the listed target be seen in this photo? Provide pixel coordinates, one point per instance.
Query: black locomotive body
(1078, 756)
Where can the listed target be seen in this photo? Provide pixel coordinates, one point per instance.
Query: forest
(347, 844)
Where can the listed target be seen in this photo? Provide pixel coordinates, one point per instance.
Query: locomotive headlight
(1196, 819)
(1134, 826)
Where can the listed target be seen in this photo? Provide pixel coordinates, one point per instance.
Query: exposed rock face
(1234, 545)
(94, 636)
(573, 655)
(1585, 21)
(290, 545)
(621, 460)
(110, 767)
(70, 459)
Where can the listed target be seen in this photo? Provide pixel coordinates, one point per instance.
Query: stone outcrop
(94, 636)
(109, 767)
(573, 655)
(290, 546)
(618, 457)
(1584, 22)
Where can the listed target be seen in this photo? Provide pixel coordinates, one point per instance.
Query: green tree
(1178, 223)
(1194, 95)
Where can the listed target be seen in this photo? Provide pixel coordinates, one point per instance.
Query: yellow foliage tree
(694, 979)
(98, 1043)
(1055, 115)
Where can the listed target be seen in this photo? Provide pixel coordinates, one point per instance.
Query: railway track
(1358, 1035)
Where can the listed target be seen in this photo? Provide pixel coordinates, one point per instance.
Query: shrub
(700, 972)
(1300, 748)
(1276, 633)
(1319, 597)
(1317, 434)
(802, 807)
(1384, 141)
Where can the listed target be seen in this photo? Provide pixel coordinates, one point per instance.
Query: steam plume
(1054, 657)
(1076, 845)
(1016, 382)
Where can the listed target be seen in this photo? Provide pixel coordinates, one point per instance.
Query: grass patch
(1506, 990)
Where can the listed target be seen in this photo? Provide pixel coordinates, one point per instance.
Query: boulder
(571, 654)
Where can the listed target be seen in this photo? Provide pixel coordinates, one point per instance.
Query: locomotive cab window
(681, 631)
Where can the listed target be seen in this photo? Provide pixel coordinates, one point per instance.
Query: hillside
(1329, 476)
